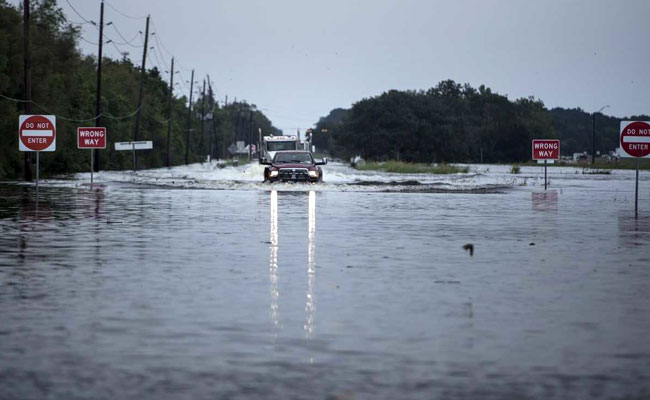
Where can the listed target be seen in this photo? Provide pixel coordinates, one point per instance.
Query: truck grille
(293, 174)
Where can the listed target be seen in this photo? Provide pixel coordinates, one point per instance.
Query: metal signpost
(37, 133)
(546, 150)
(91, 138)
(635, 143)
(133, 146)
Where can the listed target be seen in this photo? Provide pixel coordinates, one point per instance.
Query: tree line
(64, 84)
(458, 123)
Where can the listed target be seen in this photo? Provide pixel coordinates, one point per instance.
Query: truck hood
(290, 165)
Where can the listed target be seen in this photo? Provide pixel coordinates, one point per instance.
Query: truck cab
(272, 144)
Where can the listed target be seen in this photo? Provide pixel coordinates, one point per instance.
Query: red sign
(91, 138)
(546, 149)
(37, 133)
(635, 139)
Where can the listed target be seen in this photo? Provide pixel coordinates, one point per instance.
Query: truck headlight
(274, 174)
(313, 174)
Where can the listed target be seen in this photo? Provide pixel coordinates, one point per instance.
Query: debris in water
(469, 247)
(531, 244)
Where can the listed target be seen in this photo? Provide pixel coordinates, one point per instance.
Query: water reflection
(633, 231)
(273, 263)
(310, 306)
(311, 266)
(544, 201)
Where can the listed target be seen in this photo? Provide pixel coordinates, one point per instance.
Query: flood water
(206, 284)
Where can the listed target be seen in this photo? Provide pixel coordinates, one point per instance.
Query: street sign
(37, 133)
(635, 139)
(140, 145)
(91, 138)
(546, 149)
(635, 143)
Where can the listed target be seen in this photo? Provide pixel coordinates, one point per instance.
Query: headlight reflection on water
(273, 262)
(311, 266)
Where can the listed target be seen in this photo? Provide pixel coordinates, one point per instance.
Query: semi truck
(272, 144)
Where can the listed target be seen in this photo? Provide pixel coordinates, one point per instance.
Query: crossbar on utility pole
(28, 85)
(169, 120)
(142, 77)
(189, 122)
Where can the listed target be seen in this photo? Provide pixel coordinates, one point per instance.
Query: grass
(623, 163)
(412, 168)
(596, 171)
(515, 169)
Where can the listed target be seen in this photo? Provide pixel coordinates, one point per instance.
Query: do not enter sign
(37, 133)
(635, 139)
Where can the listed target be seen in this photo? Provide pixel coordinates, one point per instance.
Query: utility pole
(169, 120)
(189, 121)
(202, 119)
(593, 139)
(142, 76)
(593, 134)
(212, 126)
(28, 85)
(250, 134)
(98, 96)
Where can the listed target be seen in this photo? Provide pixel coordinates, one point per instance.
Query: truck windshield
(295, 158)
(279, 146)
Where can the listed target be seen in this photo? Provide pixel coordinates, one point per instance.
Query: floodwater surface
(156, 286)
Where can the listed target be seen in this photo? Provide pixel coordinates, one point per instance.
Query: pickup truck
(294, 166)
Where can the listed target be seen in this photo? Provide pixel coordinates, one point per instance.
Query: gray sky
(298, 59)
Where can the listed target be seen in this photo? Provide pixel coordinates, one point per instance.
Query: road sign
(140, 145)
(37, 133)
(635, 139)
(91, 138)
(546, 149)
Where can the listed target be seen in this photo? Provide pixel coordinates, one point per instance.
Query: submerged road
(145, 288)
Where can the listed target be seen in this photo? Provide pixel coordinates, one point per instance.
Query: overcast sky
(298, 59)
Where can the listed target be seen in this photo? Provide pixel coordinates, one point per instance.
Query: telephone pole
(202, 119)
(28, 85)
(189, 122)
(142, 76)
(98, 105)
(250, 134)
(212, 125)
(169, 120)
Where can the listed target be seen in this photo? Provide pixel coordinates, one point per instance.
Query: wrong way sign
(546, 149)
(91, 138)
(37, 133)
(635, 139)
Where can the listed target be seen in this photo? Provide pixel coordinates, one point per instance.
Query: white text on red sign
(91, 138)
(546, 149)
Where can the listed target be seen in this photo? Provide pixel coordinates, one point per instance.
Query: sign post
(635, 143)
(91, 138)
(37, 133)
(546, 149)
(133, 146)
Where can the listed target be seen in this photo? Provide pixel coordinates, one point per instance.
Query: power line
(88, 41)
(159, 41)
(126, 42)
(80, 16)
(121, 13)
(68, 118)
